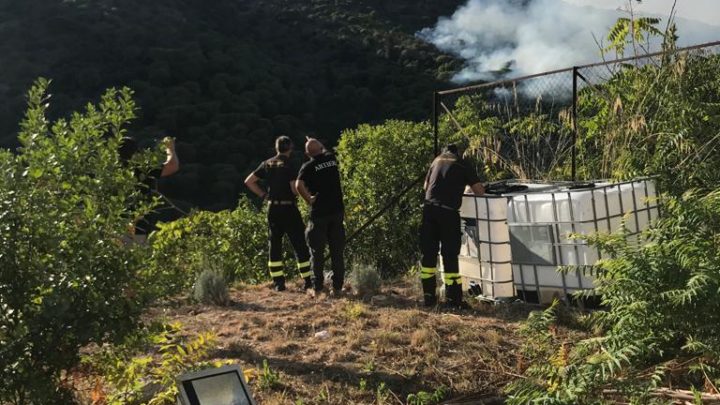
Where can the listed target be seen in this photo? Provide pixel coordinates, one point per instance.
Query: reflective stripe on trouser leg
(278, 269)
(452, 279)
(427, 272)
(304, 269)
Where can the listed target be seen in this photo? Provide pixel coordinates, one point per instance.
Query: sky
(706, 11)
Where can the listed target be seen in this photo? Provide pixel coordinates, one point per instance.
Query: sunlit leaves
(376, 164)
(233, 243)
(67, 276)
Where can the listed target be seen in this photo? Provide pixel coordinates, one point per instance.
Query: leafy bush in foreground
(132, 377)
(67, 275)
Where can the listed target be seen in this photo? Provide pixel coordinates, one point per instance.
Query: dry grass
(398, 344)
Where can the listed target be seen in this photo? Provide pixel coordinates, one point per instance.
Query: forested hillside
(225, 77)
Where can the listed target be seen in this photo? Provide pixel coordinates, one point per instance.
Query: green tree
(533, 146)
(68, 276)
(377, 163)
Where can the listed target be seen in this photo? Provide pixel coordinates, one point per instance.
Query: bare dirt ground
(377, 351)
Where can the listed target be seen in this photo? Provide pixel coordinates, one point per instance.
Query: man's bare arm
(478, 189)
(303, 192)
(252, 183)
(172, 164)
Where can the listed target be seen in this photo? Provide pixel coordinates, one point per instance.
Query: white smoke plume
(500, 38)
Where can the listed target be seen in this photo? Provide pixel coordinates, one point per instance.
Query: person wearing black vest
(318, 183)
(142, 227)
(279, 176)
(444, 187)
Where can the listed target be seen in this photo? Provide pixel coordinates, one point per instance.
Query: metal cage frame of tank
(520, 287)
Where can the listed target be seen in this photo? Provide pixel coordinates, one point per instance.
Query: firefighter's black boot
(309, 285)
(454, 297)
(429, 295)
(279, 283)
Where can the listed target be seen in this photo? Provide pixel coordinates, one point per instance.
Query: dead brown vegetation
(390, 341)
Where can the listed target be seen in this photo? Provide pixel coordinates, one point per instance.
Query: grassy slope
(394, 342)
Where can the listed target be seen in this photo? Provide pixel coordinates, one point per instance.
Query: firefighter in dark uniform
(319, 184)
(278, 175)
(445, 184)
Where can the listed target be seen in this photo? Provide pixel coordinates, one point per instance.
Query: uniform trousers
(282, 220)
(330, 231)
(440, 231)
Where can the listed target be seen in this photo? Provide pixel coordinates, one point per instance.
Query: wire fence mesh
(604, 86)
(538, 127)
(530, 127)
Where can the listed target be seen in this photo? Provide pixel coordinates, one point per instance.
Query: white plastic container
(485, 256)
(516, 242)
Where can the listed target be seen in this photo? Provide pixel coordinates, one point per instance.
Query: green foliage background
(377, 163)
(655, 120)
(233, 243)
(226, 77)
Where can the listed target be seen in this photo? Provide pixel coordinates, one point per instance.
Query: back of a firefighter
(278, 175)
(319, 185)
(445, 184)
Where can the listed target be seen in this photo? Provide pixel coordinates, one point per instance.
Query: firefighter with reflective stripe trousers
(445, 184)
(278, 175)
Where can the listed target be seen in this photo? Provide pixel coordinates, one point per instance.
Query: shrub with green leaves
(67, 275)
(532, 146)
(211, 288)
(235, 242)
(365, 280)
(427, 398)
(269, 379)
(658, 120)
(377, 162)
(131, 376)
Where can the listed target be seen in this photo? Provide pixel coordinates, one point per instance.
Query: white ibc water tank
(518, 241)
(485, 256)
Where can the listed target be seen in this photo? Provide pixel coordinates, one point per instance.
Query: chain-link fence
(604, 87)
(527, 128)
(539, 127)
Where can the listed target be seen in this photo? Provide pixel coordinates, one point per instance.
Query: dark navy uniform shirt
(321, 176)
(446, 180)
(277, 173)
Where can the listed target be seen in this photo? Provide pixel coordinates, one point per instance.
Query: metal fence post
(574, 122)
(435, 112)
